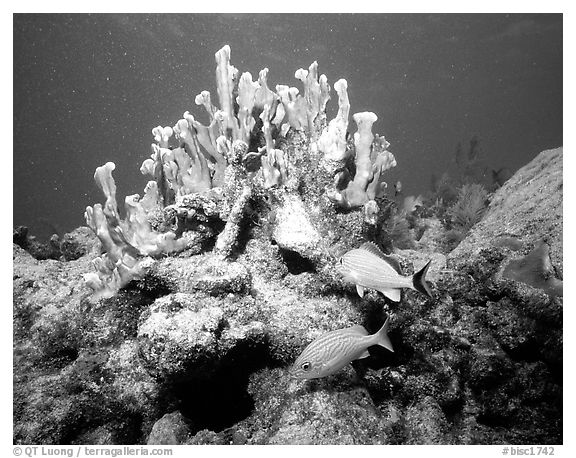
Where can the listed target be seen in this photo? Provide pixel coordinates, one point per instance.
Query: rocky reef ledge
(196, 351)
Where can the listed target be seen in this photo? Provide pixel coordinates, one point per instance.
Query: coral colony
(266, 213)
(258, 143)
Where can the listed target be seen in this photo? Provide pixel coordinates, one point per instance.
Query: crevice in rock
(215, 404)
(296, 263)
(494, 421)
(248, 231)
(453, 410)
(525, 352)
(216, 397)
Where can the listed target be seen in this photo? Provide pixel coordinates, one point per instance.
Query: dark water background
(89, 88)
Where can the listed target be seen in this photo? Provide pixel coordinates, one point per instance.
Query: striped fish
(369, 268)
(332, 351)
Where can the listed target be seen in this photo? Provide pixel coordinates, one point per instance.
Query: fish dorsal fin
(391, 293)
(371, 247)
(358, 328)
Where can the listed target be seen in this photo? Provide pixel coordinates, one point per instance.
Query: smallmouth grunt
(332, 351)
(368, 268)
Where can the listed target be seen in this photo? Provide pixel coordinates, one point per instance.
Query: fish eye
(306, 366)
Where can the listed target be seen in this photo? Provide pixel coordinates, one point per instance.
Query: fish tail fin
(382, 338)
(419, 281)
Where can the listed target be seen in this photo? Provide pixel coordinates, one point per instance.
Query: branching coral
(225, 76)
(333, 142)
(256, 142)
(371, 159)
(124, 241)
(316, 93)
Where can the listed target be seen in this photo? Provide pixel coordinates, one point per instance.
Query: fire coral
(258, 142)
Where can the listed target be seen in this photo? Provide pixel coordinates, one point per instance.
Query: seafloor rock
(130, 384)
(100, 435)
(171, 429)
(426, 423)
(177, 331)
(516, 249)
(292, 229)
(79, 242)
(86, 401)
(419, 260)
(528, 208)
(536, 270)
(209, 273)
(510, 318)
(47, 297)
(433, 238)
(39, 250)
(180, 334)
(197, 352)
(338, 410)
(203, 348)
(515, 252)
(76, 376)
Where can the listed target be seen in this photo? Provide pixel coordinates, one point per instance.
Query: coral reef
(259, 145)
(213, 282)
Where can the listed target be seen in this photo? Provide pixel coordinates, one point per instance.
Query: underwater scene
(287, 229)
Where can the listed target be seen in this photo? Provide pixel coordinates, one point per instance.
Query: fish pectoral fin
(391, 293)
(364, 355)
(360, 290)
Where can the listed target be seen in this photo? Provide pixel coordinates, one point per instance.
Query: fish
(368, 268)
(333, 350)
(398, 188)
